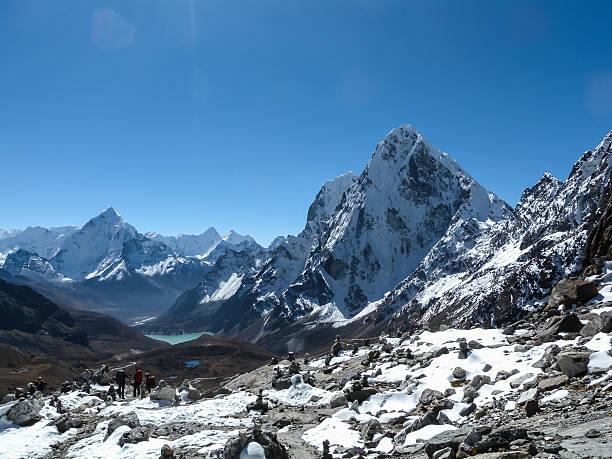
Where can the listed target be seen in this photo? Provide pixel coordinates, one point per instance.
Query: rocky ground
(542, 387)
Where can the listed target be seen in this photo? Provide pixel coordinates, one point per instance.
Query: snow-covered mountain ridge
(413, 239)
(108, 255)
(362, 237)
(491, 275)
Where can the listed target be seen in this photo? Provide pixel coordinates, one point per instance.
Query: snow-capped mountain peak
(406, 199)
(232, 237)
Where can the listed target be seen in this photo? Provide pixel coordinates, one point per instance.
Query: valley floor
(487, 392)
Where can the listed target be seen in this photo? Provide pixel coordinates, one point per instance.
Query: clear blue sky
(189, 114)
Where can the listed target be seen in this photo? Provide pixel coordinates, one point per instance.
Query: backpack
(152, 381)
(138, 377)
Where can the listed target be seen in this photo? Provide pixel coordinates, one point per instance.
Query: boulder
(570, 291)
(266, 442)
(459, 373)
(516, 383)
(135, 435)
(66, 422)
(163, 393)
(480, 380)
(338, 400)
(354, 391)
(446, 453)
(549, 358)
(443, 350)
(530, 394)
(573, 363)
(598, 323)
(451, 439)
(531, 407)
(26, 412)
(468, 410)
(130, 419)
(569, 323)
(167, 451)
(553, 383)
(9, 398)
(469, 394)
(371, 428)
(280, 383)
(429, 396)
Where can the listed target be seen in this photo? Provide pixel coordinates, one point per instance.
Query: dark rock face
(23, 309)
(599, 243)
(598, 323)
(547, 232)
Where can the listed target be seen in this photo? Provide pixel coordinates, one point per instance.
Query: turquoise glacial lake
(177, 339)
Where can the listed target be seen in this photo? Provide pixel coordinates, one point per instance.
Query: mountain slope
(258, 277)
(363, 236)
(490, 276)
(407, 198)
(54, 341)
(45, 242)
(106, 265)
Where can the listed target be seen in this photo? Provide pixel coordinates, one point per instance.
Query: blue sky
(189, 114)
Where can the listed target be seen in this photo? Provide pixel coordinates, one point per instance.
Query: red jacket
(138, 377)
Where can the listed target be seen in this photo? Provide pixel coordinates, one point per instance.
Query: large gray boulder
(553, 383)
(598, 323)
(452, 439)
(570, 291)
(26, 412)
(338, 400)
(573, 363)
(267, 441)
(135, 435)
(130, 419)
(66, 422)
(569, 323)
(355, 391)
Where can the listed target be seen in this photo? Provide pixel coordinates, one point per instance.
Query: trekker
(120, 378)
(149, 382)
(40, 384)
(137, 381)
(65, 387)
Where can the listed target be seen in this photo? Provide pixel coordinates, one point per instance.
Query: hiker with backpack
(137, 381)
(120, 378)
(149, 382)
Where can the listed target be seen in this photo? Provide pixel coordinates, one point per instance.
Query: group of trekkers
(121, 377)
(38, 384)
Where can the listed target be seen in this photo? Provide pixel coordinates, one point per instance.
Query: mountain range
(414, 239)
(108, 266)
